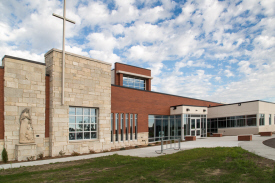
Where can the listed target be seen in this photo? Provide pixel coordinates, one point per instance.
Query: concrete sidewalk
(255, 146)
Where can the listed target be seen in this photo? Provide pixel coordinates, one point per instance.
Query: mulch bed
(65, 156)
(270, 143)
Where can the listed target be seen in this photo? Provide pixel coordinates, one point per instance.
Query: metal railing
(173, 145)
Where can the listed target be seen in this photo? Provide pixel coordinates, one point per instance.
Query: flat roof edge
(76, 55)
(22, 59)
(242, 103)
(163, 93)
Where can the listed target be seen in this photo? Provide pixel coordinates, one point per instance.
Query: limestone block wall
(24, 87)
(1, 148)
(87, 84)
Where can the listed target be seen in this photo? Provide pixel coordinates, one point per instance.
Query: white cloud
(228, 73)
(104, 56)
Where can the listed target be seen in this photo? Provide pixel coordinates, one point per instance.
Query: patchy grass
(196, 165)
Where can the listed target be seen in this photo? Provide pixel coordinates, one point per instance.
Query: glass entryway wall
(194, 125)
(169, 126)
(231, 122)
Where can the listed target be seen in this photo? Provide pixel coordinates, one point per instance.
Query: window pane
(79, 111)
(71, 127)
(72, 119)
(86, 135)
(86, 119)
(79, 127)
(93, 119)
(93, 112)
(71, 136)
(87, 127)
(93, 135)
(93, 127)
(72, 111)
(86, 111)
(79, 136)
(79, 119)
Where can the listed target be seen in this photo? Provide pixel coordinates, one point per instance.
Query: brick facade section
(47, 108)
(133, 101)
(132, 69)
(2, 103)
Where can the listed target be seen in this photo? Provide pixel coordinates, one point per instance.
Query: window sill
(81, 141)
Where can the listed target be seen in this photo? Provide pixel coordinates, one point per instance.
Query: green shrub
(136, 146)
(123, 148)
(5, 155)
(41, 155)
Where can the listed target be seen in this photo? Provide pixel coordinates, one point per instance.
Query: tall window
(134, 82)
(168, 127)
(269, 119)
(131, 126)
(261, 119)
(116, 126)
(136, 126)
(112, 122)
(82, 123)
(126, 127)
(121, 126)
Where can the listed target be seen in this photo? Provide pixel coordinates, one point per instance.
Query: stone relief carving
(26, 134)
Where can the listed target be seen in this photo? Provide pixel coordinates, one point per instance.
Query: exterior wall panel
(2, 103)
(143, 103)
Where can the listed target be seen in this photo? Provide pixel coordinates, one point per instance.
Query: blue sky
(221, 51)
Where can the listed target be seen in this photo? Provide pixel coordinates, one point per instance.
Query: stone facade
(87, 84)
(1, 148)
(24, 87)
(24, 152)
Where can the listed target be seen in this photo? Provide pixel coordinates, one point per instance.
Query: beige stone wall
(24, 87)
(87, 84)
(1, 148)
(267, 109)
(233, 110)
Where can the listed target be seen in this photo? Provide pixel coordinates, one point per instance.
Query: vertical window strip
(112, 123)
(131, 126)
(261, 120)
(136, 126)
(121, 126)
(269, 119)
(116, 126)
(126, 127)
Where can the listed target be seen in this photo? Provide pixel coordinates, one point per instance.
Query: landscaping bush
(5, 155)
(123, 148)
(75, 154)
(41, 155)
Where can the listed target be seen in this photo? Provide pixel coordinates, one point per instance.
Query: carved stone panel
(26, 134)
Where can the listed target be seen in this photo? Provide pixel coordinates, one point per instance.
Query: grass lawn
(197, 165)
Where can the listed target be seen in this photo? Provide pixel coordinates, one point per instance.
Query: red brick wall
(143, 103)
(133, 69)
(2, 130)
(47, 108)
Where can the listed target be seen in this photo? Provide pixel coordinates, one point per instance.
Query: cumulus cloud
(216, 50)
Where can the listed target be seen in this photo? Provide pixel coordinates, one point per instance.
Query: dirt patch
(214, 172)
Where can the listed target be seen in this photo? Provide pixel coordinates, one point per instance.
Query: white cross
(63, 47)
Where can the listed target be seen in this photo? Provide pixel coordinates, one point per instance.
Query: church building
(105, 109)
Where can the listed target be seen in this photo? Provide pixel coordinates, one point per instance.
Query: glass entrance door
(195, 127)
